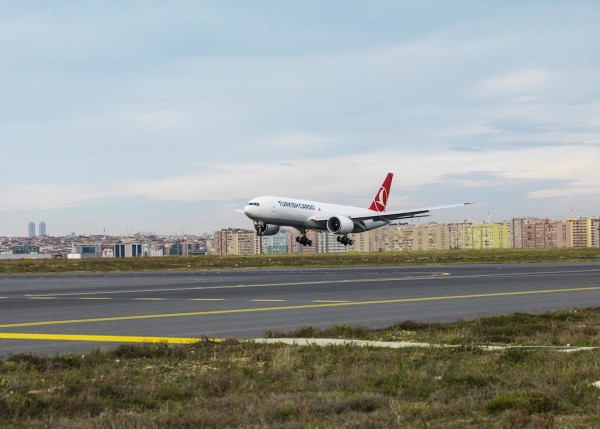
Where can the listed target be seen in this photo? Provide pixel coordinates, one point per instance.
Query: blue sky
(166, 116)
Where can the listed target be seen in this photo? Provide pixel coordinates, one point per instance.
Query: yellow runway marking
(298, 307)
(268, 300)
(41, 297)
(330, 302)
(102, 338)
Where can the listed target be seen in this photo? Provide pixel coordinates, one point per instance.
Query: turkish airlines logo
(380, 200)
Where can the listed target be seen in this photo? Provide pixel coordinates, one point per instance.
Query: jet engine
(340, 225)
(266, 229)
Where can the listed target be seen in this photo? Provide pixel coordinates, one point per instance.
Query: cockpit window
(254, 204)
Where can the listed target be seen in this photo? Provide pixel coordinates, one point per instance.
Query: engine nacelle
(340, 225)
(266, 229)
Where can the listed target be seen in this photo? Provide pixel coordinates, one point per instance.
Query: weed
(528, 401)
(514, 356)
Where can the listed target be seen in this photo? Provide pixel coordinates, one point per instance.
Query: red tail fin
(380, 201)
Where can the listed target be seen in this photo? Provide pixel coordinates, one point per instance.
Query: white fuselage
(305, 214)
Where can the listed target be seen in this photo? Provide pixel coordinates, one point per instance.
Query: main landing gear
(306, 242)
(304, 239)
(345, 240)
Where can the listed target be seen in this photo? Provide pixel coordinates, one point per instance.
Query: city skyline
(166, 117)
(417, 222)
(513, 233)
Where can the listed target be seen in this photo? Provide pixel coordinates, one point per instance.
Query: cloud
(568, 191)
(524, 83)
(349, 178)
(353, 177)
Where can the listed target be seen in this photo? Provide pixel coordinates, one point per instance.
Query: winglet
(380, 201)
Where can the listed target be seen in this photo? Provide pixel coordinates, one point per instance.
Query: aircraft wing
(403, 214)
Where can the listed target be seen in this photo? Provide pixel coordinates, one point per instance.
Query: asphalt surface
(72, 313)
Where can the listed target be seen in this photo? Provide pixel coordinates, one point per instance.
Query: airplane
(269, 213)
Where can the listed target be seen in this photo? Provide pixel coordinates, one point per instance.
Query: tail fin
(380, 201)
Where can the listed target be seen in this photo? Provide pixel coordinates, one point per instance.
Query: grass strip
(220, 262)
(240, 384)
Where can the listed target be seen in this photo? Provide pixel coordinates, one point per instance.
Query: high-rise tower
(42, 228)
(31, 229)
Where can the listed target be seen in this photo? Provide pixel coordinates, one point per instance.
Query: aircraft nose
(249, 210)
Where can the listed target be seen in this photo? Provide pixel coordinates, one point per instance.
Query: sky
(165, 117)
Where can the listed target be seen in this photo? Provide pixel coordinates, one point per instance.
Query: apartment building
(519, 231)
(595, 232)
(537, 233)
(295, 247)
(236, 242)
(278, 243)
(485, 236)
(455, 233)
(551, 234)
(580, 232)
(327, 243)
(429, 236)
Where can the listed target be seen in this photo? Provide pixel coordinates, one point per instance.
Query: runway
(72, 313)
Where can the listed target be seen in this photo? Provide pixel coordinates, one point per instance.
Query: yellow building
(579, 232)
(484, 236)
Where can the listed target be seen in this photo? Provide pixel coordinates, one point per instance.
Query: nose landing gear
(259, 227)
